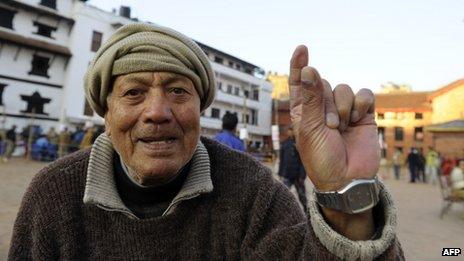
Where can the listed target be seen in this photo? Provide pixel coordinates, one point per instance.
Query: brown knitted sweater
(248, 215)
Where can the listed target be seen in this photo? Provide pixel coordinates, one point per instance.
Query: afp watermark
(449, 251)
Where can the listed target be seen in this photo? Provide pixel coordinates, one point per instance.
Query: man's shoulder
(65, 175)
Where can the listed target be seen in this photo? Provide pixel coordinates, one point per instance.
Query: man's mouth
(158, 140)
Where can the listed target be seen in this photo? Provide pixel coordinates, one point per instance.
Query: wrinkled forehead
(149, 78)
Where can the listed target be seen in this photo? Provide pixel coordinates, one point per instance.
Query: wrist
(353, 226)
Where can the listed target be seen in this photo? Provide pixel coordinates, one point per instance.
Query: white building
(47, 45)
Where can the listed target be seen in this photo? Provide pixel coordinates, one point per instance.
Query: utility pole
(244, 118)
(31, 133)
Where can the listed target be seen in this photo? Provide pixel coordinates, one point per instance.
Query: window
(219, 85)
(380, 116)
(246, 93)
(238, 66)
(44, 30)
(218, 59)
(245, 118)
(399, 133)
(254, 117)
(229, 88)
(215, 113)
(383, 153)
(418, 133)
(381, 132)
(389, 115)
(48, 3)
(231, 64)
(237, 91)
(399, 149)
(6, 18)
(418, 116)
(2, 87)
(96, 41)
(256, 95)
(40, 66)
(87, 109)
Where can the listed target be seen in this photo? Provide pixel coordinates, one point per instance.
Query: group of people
(422, 168)
(46, 146)
(430, 167)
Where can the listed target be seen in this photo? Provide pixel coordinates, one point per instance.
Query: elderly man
(150, 188)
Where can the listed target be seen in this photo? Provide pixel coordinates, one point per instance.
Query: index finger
(298, 61)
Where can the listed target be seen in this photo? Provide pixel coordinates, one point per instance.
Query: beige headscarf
(141, 47)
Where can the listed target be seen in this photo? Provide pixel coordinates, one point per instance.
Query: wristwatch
(356, 197)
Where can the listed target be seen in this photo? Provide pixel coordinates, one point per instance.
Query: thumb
(313, 102)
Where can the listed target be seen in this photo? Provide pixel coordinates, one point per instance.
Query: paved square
(422, 233)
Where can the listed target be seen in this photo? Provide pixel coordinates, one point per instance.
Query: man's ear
(106, 117)
(107, 125)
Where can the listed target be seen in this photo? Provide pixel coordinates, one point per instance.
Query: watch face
(360, 197)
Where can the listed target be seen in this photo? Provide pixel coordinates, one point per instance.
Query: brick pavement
(422, 233)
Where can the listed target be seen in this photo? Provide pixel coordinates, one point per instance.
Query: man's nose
(157, 108)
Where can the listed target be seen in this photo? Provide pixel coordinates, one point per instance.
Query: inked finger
(298, 61)
(344, 97)
(313, 115)
(363, 103)
(331, 115)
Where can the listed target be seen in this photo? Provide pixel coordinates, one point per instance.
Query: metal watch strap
(330, 199)
(338, 201)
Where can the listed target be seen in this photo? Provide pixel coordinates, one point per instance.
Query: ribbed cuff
(348, 249)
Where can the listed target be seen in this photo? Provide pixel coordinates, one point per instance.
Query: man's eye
(178, 91)
(133, 93)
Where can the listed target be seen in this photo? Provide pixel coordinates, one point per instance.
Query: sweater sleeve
(279, 230)
(31, 239)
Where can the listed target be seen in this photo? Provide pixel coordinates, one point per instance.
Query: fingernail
(331, 120)
(299, 56)
(308, 76)
(354, 116)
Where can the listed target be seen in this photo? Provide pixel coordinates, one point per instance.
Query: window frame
(213, 110)
(40, 25)
(48, 3)
(416, 132)
(397, 135)
(36, 59)
(10, 22)
(94, 44)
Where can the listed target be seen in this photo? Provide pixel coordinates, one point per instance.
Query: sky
(361, 43)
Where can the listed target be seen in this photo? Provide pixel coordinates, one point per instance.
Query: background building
(34, 59)
(280, 103)
(409, 119)
(401, 119)
(47, 45)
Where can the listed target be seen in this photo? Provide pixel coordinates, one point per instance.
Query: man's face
(290, 133)
(153, 120)
(461, 164)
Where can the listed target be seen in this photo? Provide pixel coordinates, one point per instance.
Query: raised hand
(336, 134)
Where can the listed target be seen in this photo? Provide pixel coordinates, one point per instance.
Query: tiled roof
(450, 126)
(446, 88)
(413, 101)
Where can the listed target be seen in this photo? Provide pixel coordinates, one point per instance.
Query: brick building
(401, 120)
(422, 119)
